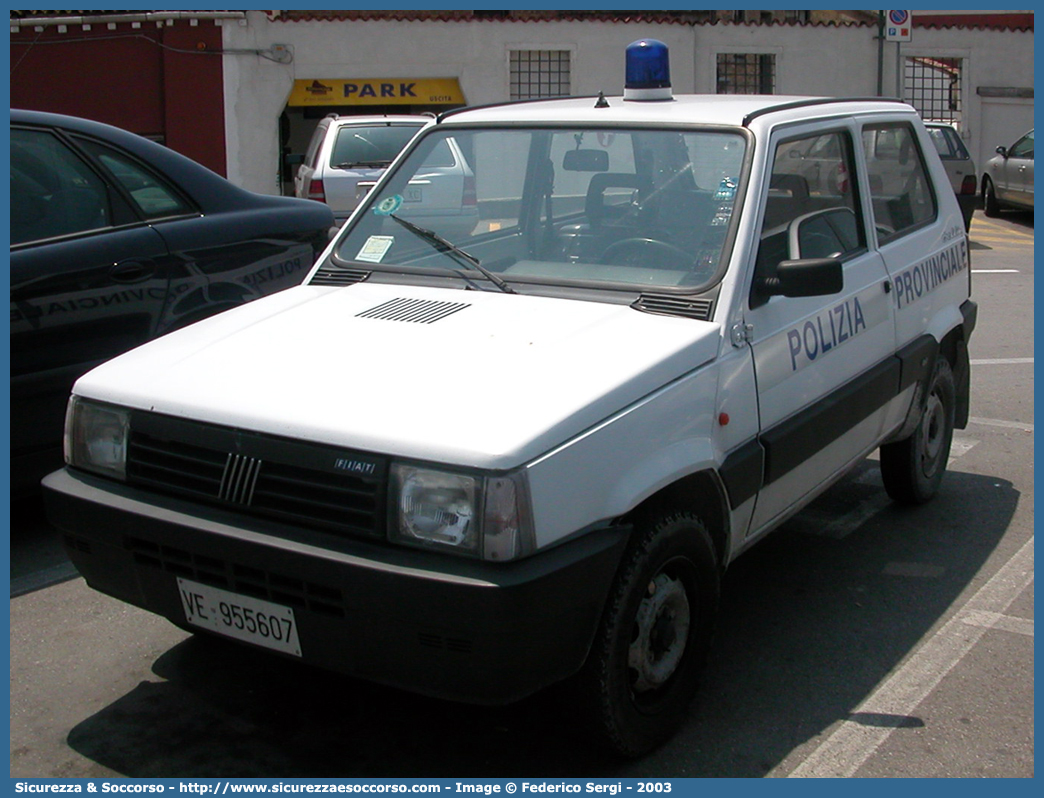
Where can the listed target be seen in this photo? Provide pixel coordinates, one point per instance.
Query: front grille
(309, 485)
(259, 583)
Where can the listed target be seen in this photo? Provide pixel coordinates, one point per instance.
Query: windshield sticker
(375, 248)
(388, 205)
(725, 197)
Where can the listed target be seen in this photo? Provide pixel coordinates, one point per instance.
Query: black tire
(913, 468)
(990, 206)
(653, 639)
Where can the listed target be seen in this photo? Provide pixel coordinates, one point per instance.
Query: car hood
(471, 378)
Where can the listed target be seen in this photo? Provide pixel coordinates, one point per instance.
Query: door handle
(131, 271)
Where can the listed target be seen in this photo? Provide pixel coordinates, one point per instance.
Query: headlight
(96, 437)
(479, 516)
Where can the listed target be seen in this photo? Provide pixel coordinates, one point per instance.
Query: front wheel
(654, 636)
(913, 468)
(990, 206)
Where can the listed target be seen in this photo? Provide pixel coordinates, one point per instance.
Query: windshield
(630, 208)
(358, 145)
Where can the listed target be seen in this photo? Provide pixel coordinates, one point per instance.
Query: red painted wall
(155, 81)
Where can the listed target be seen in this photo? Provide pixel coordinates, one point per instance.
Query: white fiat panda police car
(474, 465)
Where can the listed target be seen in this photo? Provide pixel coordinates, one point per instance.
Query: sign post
(898, 29)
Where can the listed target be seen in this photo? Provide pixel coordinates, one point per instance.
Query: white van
(474, 464)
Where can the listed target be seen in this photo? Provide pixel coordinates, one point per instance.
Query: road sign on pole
(898, 26)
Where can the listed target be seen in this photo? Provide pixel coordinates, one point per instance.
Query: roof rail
(483, 107)
(771, 109)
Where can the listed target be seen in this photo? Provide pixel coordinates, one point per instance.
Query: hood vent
(686, 307)
(422, 311)
(327, 275)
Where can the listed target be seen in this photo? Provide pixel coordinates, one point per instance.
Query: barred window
(932, 85)
(539, 73)
(746, 73)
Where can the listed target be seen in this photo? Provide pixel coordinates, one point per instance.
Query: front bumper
(431, 623)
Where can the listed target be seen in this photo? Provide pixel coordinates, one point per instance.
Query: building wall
(817, 60)
(994, 59)
(157, 80)
(475, 53)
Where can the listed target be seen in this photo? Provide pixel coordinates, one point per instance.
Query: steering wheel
(639, 251)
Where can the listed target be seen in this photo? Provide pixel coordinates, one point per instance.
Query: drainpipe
(880, 53)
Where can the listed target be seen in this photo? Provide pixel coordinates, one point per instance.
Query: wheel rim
(661, 633)
(933, 434)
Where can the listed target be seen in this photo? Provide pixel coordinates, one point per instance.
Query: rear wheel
(913, 468)
(989, 198)
(654, 636)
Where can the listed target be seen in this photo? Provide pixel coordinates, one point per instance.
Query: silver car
(348, 154)
(1007, 180)
(960, 167)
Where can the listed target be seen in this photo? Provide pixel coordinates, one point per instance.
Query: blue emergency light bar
(648, 73)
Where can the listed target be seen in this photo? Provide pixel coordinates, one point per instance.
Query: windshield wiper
(451, 249)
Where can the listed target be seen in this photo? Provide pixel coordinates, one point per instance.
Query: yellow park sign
(377, 91)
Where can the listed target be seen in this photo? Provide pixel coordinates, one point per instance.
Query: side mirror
(1003, 151)
(295, 160)
(806, 277)
(586, 161)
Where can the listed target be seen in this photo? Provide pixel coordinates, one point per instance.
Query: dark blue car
(116, 240)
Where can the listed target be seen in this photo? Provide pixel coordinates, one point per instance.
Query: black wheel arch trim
(743, 472)
(962, 365)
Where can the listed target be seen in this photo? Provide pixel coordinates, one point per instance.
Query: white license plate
(242, 617)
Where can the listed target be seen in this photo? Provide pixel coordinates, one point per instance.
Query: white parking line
(918, 570)
(995, 271)
(852, 744)
(843, 526)
(1003, 361)
(998, 422)
(840, 527)
(1006, 623)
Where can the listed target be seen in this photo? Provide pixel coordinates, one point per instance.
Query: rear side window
(152, 195)
(948, 143)
(312, 156)
(369, 146)
(441, 155)
(53, 192)
(903, 199)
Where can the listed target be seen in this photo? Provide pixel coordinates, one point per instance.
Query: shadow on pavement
(810, 623)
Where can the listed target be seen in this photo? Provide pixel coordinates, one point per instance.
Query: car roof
(709, 109)
(204, 186)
